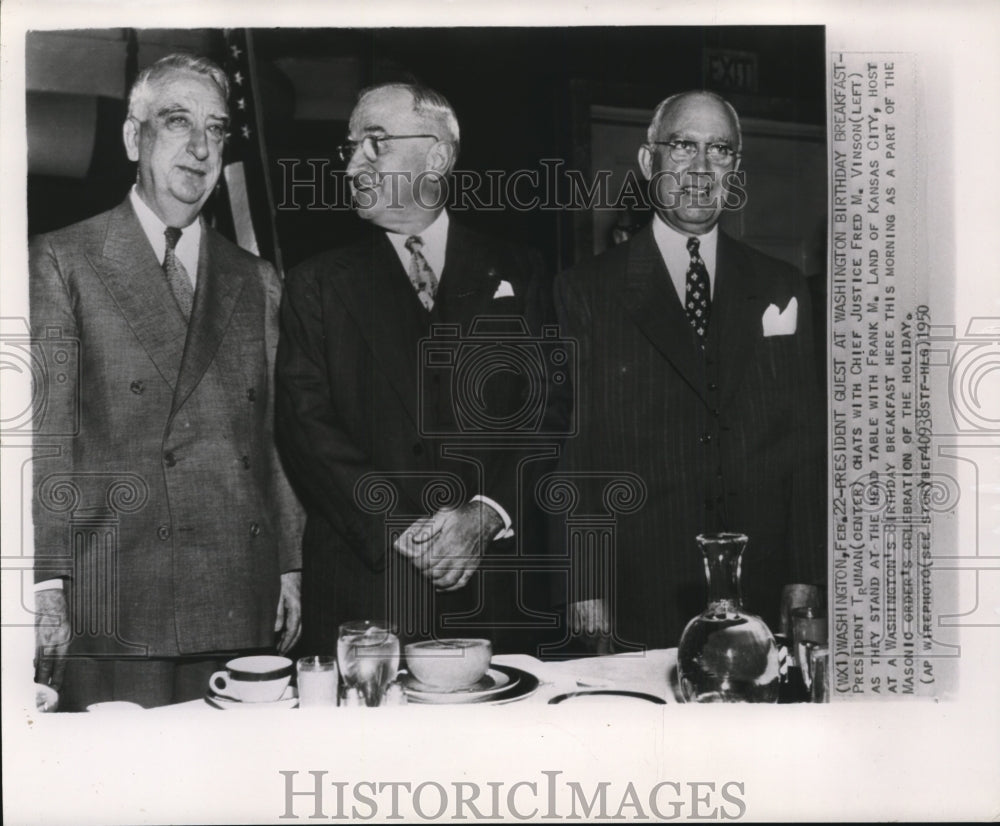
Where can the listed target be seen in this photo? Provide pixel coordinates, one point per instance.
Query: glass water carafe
(726, 655)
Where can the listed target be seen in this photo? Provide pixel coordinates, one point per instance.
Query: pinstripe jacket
(729, 438)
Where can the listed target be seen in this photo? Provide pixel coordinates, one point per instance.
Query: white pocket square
(778, 323)
(504, 290)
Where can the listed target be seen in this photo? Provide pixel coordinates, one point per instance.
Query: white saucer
(288, 699)
(496, 681)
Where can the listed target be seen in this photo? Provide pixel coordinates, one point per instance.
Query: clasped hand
(448, 546)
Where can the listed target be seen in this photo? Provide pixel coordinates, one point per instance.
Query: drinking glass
(368, 654)
(794, 596)
(819, 673)
(317, 681)
(809, 625)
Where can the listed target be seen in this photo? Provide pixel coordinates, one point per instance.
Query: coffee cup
(257, 679)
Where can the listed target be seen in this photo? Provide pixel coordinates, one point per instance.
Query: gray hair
(664, 106)
(142, 90)
(426, 103)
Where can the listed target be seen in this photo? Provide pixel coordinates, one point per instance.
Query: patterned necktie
(177, 276)
(697, 293)
(421, 275)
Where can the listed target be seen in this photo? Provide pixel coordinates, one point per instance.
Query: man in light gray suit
(166, 535)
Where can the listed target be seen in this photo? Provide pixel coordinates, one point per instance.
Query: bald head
(692, 149)
(686, 100)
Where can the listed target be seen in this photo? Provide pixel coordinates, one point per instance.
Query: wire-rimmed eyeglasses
(371, 145)
(719, 154)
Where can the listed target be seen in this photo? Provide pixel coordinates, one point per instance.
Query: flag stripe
(239, 203)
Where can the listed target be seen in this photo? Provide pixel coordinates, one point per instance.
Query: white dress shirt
(188, 245)
(673, 249)
(435, 241)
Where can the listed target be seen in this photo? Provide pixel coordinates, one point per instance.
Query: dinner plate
(289, 699)
(509, 684)
(492, 682)
(601, 695)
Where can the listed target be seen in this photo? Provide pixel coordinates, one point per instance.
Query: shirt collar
(673, 249)
(187, 247)
(435, 242)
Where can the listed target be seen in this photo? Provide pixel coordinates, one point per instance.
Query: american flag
(245, 172)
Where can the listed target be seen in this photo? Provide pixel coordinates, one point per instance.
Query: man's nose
(359, 161)
(198, 142)
(699, 163)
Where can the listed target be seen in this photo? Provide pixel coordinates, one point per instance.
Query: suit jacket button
(705, 438)
(246, 462)
(418, 449)
(169, 459)
(163, 532)
(137, 387)
(254, 529)
(251, 394)
(713, 386)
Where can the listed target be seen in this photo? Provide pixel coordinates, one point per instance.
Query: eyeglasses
(719, 154)
(371, 145)
(182, 125)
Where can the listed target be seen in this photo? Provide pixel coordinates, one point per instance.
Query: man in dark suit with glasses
(404, 496)
(697, 374)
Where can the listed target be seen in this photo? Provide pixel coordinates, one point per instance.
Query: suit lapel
(467, 283)
(381, 299)
(650, 299)
(739, 302)
(220, 284)
(136, 281)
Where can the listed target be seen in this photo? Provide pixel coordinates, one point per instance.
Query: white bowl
(449, 664)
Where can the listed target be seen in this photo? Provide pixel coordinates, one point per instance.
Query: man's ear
(441, 157)
(646, 162)
(130, 136)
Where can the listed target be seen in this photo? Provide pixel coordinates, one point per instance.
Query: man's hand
(589, 619)
(52, 634)
(448, 546)
(288, 624)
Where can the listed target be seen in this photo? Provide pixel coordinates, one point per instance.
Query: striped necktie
(421, 275)
(177, 276)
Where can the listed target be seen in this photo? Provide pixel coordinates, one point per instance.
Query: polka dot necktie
(697, 292)
(177, 276)
(421, 275)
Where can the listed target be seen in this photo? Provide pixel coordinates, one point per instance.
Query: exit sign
(731, 71)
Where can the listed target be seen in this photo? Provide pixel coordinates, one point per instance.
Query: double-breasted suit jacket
(359, 399)
(725, 438)
(180, 417)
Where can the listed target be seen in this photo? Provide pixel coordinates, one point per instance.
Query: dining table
(646, 677)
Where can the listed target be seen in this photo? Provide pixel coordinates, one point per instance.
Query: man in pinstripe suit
(697, 374)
